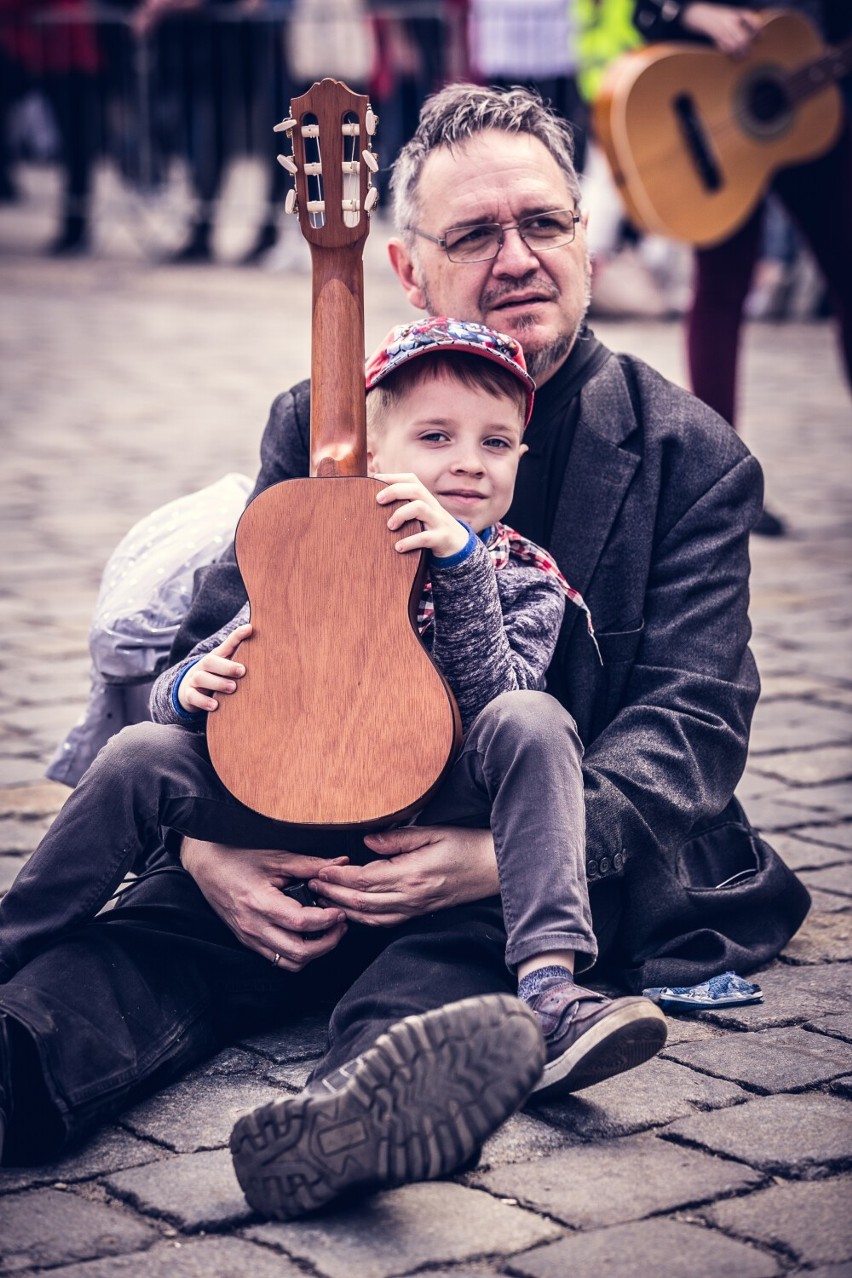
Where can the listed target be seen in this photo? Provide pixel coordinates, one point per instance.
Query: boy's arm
(164, 704)
(488, 640)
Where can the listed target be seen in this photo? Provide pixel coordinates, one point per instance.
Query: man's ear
(403, 264)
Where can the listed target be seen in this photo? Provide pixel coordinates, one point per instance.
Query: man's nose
(515, 257)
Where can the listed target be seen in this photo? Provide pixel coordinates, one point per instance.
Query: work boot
(589, 1037)
(416, 1105)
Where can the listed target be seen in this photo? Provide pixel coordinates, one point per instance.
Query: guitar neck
(338, 413)
(331, 127)
(833, 65)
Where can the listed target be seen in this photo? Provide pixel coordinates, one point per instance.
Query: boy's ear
(371, 469)
(524, 448)
(403, 264)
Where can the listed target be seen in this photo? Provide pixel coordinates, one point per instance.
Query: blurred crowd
(147, 84)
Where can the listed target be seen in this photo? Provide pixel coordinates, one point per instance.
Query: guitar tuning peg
(285, 125)
(372, 199)
(290, 201)
(287, 163)
(371, 160)
(370, 121)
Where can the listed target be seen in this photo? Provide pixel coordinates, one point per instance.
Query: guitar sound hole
(763, 108)
(767, 101)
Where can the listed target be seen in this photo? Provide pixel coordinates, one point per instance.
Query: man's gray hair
(460, 111)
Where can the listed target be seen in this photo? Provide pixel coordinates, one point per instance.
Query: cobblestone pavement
(124, 387)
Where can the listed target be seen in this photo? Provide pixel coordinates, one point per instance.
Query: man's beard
(547, 358)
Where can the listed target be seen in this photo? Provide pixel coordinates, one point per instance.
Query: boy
(449, 401)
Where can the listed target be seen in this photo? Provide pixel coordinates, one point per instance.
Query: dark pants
(124, 1003)
(818, 197)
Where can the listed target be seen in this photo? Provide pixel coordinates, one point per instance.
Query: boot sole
(628, 1037)
(420, 1102)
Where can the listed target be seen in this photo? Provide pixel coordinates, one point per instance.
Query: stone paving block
(192, 1191)
(688, 1028)
(19, 770)
(42, 799)
(782, 1060)
(198, 1112)
(842, 1087)
(834, 836)
(110, 1150)
(664, 1248)
(47, 1227)
(18, 838)
(399, 1230)
(10, 868)
(834, 800)
(826, 902)
(811, 1219)
(291, 1077)
(610, 1182)
(818, 766)
(302, 1040)
(656, 1093)
(822, 938)
(523, 1137)
(837, 1026)
(806, 854)
(792, 1135)
(797, 726)
(775, 811)
(192, 1258)
(836, 878)
(829, 1271)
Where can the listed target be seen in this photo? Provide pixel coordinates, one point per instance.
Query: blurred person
(50, 44)
(531, 43)
(816, 194)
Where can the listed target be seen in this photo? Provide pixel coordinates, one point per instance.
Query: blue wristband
(451, 561)
(176, 705)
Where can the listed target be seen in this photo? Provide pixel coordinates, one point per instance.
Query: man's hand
(243, 886)
(426, 868)
(442, 533)
(214, 672)
(731, 30)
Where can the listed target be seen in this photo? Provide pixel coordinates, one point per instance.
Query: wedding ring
(276, 960)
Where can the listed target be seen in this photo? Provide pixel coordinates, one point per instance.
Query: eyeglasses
(482, 241)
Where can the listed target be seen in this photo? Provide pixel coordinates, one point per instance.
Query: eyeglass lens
(540, 231)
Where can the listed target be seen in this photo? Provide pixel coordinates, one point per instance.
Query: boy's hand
(442, 533)
(214, 672)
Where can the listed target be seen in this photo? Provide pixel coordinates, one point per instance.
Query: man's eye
(470, 236)
(546, 224)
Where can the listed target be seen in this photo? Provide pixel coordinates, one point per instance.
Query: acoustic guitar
(341, 720)
(694, 136)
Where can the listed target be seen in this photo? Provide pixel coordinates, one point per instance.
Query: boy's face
(462, 443)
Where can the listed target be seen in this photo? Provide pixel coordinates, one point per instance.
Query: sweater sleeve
(163, 702)
(495, 630)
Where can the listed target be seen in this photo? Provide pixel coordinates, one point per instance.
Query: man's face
(540, 300)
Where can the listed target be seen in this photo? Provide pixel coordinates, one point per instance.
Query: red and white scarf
(504, 545)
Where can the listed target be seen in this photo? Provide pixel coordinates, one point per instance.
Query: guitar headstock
(333, 162)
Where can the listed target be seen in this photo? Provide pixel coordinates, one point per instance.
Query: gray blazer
(652, 526)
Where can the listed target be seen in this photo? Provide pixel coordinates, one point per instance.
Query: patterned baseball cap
(437, 333)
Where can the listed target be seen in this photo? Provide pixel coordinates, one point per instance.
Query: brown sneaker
(589, 1037)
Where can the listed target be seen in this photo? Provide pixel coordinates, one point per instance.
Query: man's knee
(135, 750)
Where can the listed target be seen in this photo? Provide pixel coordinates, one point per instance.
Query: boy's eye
(497, 442)
(434, 437)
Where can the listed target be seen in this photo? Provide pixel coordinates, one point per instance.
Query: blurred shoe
(770, 525)
(291, 253)
(266, 240)
(72, 240)
(589, 1037)
(622, 286)
(416, 1105)
(197, 249)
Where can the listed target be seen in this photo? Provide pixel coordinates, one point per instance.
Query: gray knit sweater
(494, 631)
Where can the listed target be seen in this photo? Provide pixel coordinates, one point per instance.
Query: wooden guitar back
(350, 723)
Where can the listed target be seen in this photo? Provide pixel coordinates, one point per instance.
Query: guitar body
(341, 721)
(693, 136)
(344, 719)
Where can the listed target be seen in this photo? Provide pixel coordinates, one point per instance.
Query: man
(645, 498)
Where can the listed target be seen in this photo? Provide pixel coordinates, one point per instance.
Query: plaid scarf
(504, 545)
